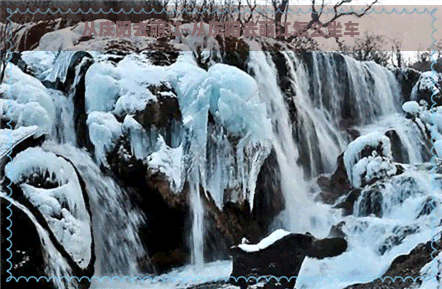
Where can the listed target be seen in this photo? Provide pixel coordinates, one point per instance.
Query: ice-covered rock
(52, 186)
(28, 251)
(428, 88)
(26, 101)
(368, 157)
(371, 168)
(104, 130)
(102, 89)
(412, 108)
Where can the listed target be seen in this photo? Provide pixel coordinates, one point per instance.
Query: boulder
(334, 186)
(347, 204)
(407, 78)
(280, 254)
(429, 83)
(27, 37)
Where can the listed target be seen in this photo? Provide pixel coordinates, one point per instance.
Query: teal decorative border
(157, 279)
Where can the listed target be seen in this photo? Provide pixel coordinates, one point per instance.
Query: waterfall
(115, 223)
(303, 108)
(299, 207)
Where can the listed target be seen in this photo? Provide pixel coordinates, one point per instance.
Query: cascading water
(298, 204)
(306, 108)
(333, 92)
(115, 224)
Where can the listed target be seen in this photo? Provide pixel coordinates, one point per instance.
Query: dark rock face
(407, 79)
(78, 91)
(162, 112)
(429, 205)
(28, 37)
(163, 208)
(160, 57)
(75, 268)
(347, 204)
(27, 252)
(234, 51)
(151, 193)
(282, 258)
(268, 201)
(397, 151)
(336, 185)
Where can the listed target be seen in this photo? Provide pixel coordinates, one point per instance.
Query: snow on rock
(412, 108)
(66, 38)
(428, 81)
(10, 138)
(433, 120)
(168, 161)
(359, 158)
(131, 102)
(264, 243)
(123, 88)
(61, 204)
(40, 62)
(104, 129)
(196, 37)
(29, 114)
(428, 87)
(136, 76)
(371, 168)
(431, 274)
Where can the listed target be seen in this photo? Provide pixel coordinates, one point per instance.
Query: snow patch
(10, 138)
(412, 107)
(266, 242)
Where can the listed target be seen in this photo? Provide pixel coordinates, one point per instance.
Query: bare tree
(397, 58)
(317, 20)
(424, 59)
(371, 47)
